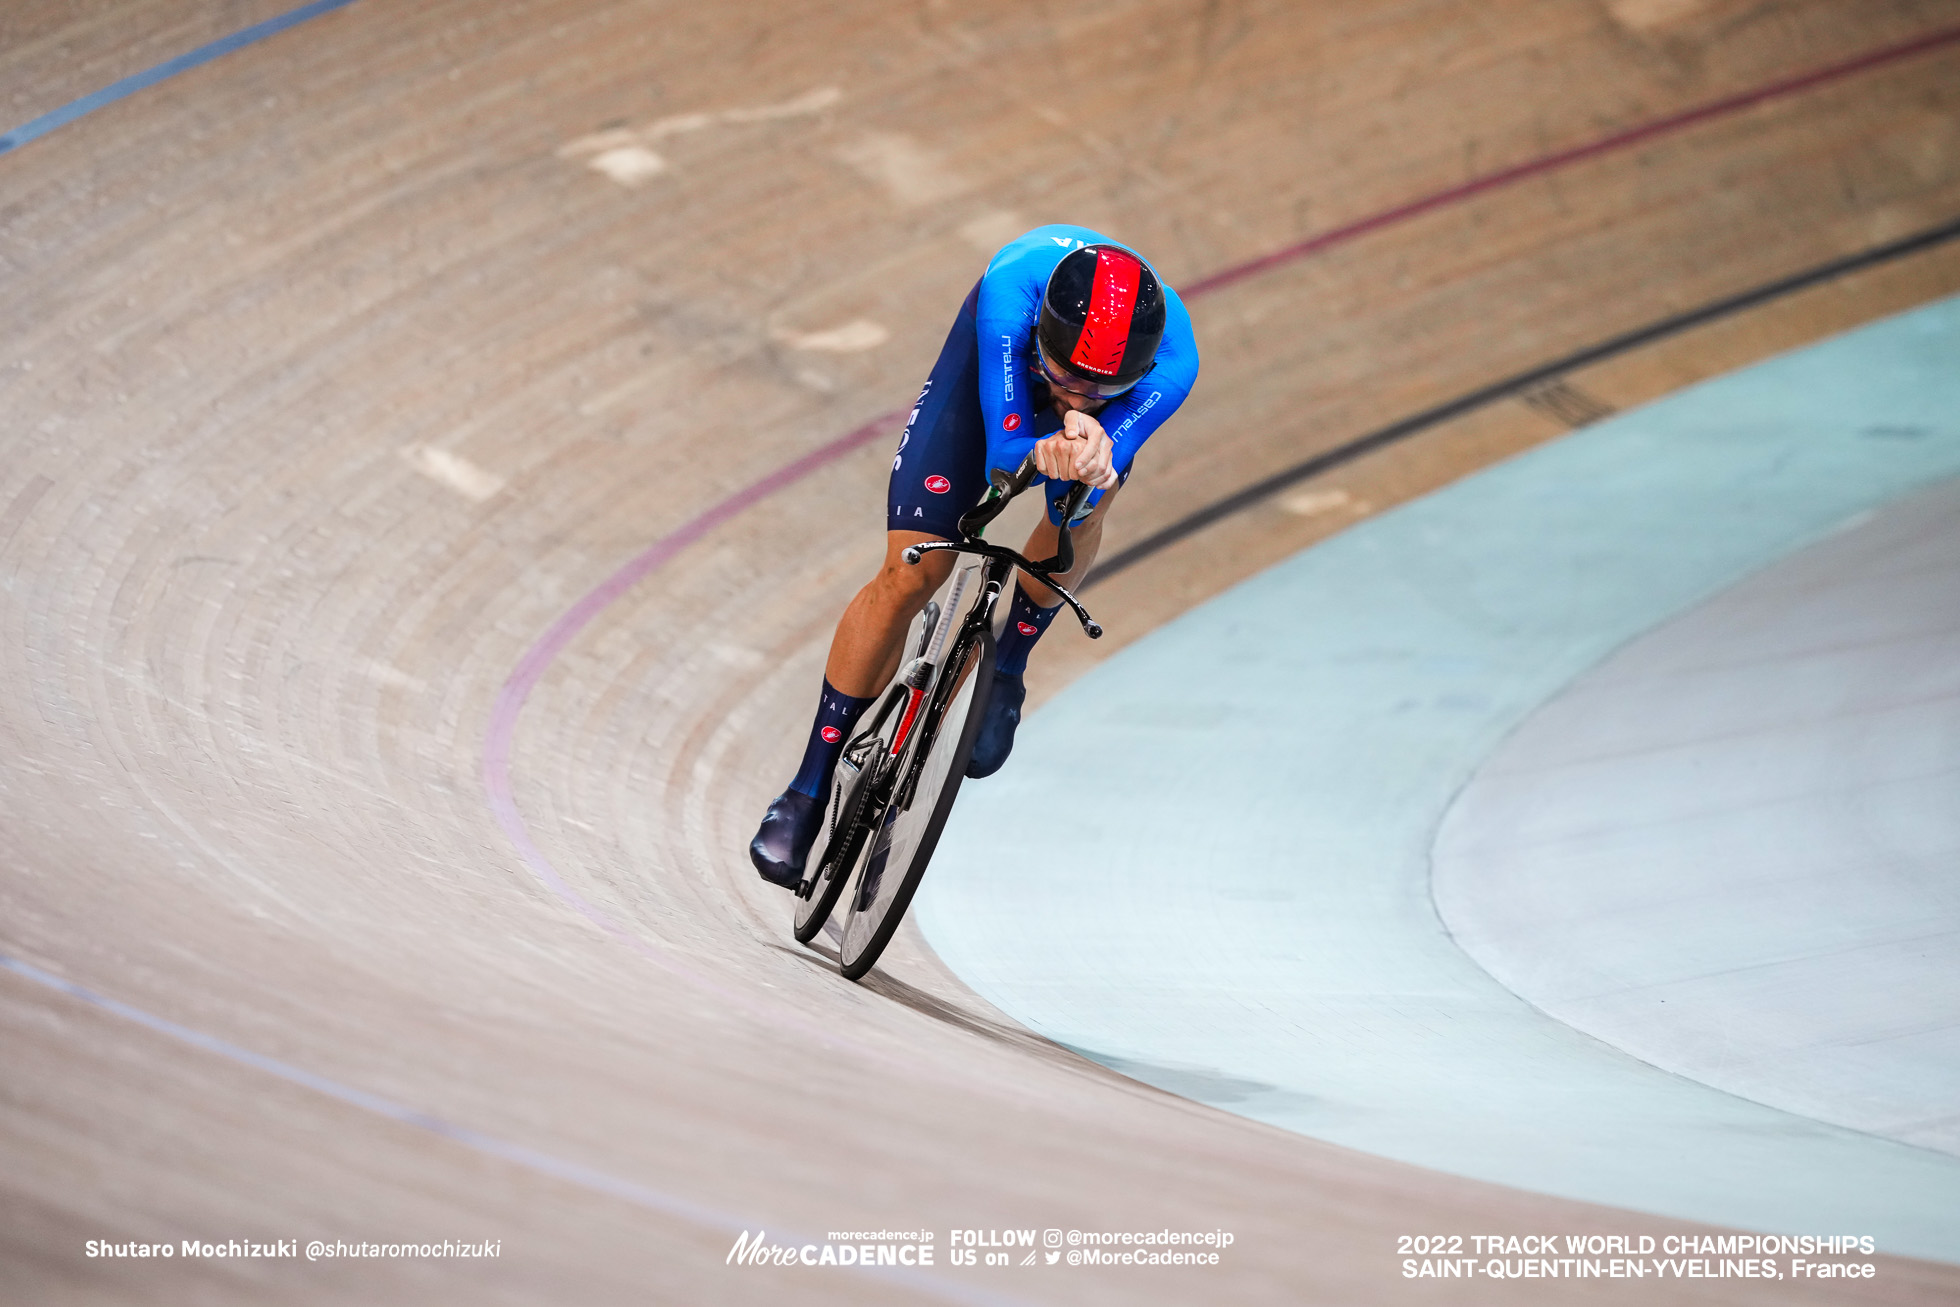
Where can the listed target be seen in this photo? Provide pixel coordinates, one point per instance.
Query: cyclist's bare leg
(864, 655)
(870, 637)
(1031, 609)
(1045, 539)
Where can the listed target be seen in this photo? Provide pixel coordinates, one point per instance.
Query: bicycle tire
(913, 833)
(841, 849)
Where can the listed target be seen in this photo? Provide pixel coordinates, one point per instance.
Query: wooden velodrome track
(335, 375)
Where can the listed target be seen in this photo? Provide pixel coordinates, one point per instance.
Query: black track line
(1416, 423)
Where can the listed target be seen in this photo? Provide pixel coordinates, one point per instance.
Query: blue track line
(571, 1172)
(130, 85)
(928, 1282)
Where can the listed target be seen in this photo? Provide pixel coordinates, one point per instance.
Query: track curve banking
(440, 436)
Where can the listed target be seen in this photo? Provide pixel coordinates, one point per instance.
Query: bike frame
(921, 687)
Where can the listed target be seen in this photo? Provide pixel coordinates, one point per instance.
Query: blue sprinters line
(577, 1173)
(69, 112)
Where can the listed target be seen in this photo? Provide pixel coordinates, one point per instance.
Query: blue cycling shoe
(996, 739)
(782, 844)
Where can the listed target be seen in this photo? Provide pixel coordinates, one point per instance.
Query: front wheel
(922, 798)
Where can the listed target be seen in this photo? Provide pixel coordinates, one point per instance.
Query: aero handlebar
(1006, 485)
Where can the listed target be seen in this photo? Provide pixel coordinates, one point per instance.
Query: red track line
(524, 677)
(1578, 153)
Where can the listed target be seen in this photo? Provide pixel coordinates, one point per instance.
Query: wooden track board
(335, 373)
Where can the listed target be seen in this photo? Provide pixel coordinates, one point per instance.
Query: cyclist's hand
(1080, 451)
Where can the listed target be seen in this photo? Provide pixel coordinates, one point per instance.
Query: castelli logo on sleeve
(1012, 422)
(1027, 628)
(831, 734)
(938, 485)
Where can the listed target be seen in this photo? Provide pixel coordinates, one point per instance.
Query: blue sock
(1026, 620)
(837, 713)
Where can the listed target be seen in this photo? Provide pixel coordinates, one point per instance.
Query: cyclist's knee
(909, 585)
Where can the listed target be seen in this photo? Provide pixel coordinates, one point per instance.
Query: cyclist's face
(1067, 400)
(1061, 388)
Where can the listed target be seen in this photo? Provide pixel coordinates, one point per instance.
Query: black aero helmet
(1101, 319)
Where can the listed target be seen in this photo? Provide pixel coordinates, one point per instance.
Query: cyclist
(1068, 347)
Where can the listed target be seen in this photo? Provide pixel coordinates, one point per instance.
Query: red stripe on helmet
(1099, 349)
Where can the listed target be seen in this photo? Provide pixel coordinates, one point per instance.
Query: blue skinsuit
(986, 404)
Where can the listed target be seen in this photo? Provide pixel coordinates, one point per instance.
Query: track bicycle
(896, 781)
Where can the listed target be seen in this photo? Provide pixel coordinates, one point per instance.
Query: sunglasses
(1074, 385)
